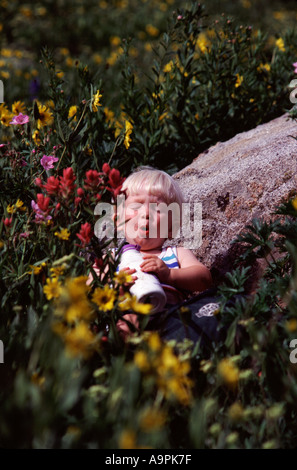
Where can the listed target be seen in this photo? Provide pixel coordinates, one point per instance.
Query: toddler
(145, 221)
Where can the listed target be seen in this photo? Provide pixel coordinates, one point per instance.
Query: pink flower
(48, 161)
(25, 235)
(20, 120)
(295, 67)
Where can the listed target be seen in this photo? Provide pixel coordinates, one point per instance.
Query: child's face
(144, 224)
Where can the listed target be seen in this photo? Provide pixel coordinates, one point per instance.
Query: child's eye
(134, 207)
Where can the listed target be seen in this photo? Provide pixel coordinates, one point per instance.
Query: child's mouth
(145, 230)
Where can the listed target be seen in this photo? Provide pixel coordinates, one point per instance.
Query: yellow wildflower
(111, 60)
(294, 203)
(36, 269)
(45, 117)
(168, 67)
(152, 419)
(26, 11)
(69, 62)
(128, 132)
(80, 341)
(228, 372)
(58, 271)
(60, 74)
(104, 298)
(5, 118)
(173, 376)
(36, 138)
(97, 59)
(152, 30)
(279, 15)
(5, 74)
(50, 104)
(246, 3)
(20, 205)
(64, 51)
(203, 43)
(280, 44)
(72, 113)
(163, 116)
(239, 80)
(109, 115)
(38, 380)
(96, 101)
(128, 302)
(88, 150)
(64, 234)
(10, 209)
(122, 277)
(265, 67)
(74, 303)
(6, 52)
(52, 289)
(141, 361)
(115, 41)
(139, 307)
(291, 325)
(154, 341)
(18, 107)
(127, 440)
(235, 412)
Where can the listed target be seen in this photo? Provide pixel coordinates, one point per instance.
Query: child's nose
(145, 211)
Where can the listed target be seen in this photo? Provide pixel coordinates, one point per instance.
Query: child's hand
(153, 264)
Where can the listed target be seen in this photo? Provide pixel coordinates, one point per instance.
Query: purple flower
(40, 216)
(48, 161)
(20, 120)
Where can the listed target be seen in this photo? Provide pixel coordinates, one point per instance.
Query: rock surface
(238, 180)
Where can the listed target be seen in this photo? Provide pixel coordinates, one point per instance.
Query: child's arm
(192, 276)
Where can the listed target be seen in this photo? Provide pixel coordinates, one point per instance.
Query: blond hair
(155, 182)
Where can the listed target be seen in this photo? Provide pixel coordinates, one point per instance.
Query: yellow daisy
(104, 298)
(96, 101)
(52, 289)
(64, 234)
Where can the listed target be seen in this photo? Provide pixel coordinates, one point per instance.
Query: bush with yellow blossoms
(152, 88)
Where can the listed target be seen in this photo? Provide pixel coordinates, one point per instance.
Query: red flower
(43, 202)
(85, 234)
(80, 192)
(106, 168)
(57, 208)
(92, 180)
(67, 185)
(7, 222)
(77, 200)
(38, 182)
(114, 178)
(52, 185)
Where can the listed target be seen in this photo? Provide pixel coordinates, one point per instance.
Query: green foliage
(69, 380)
